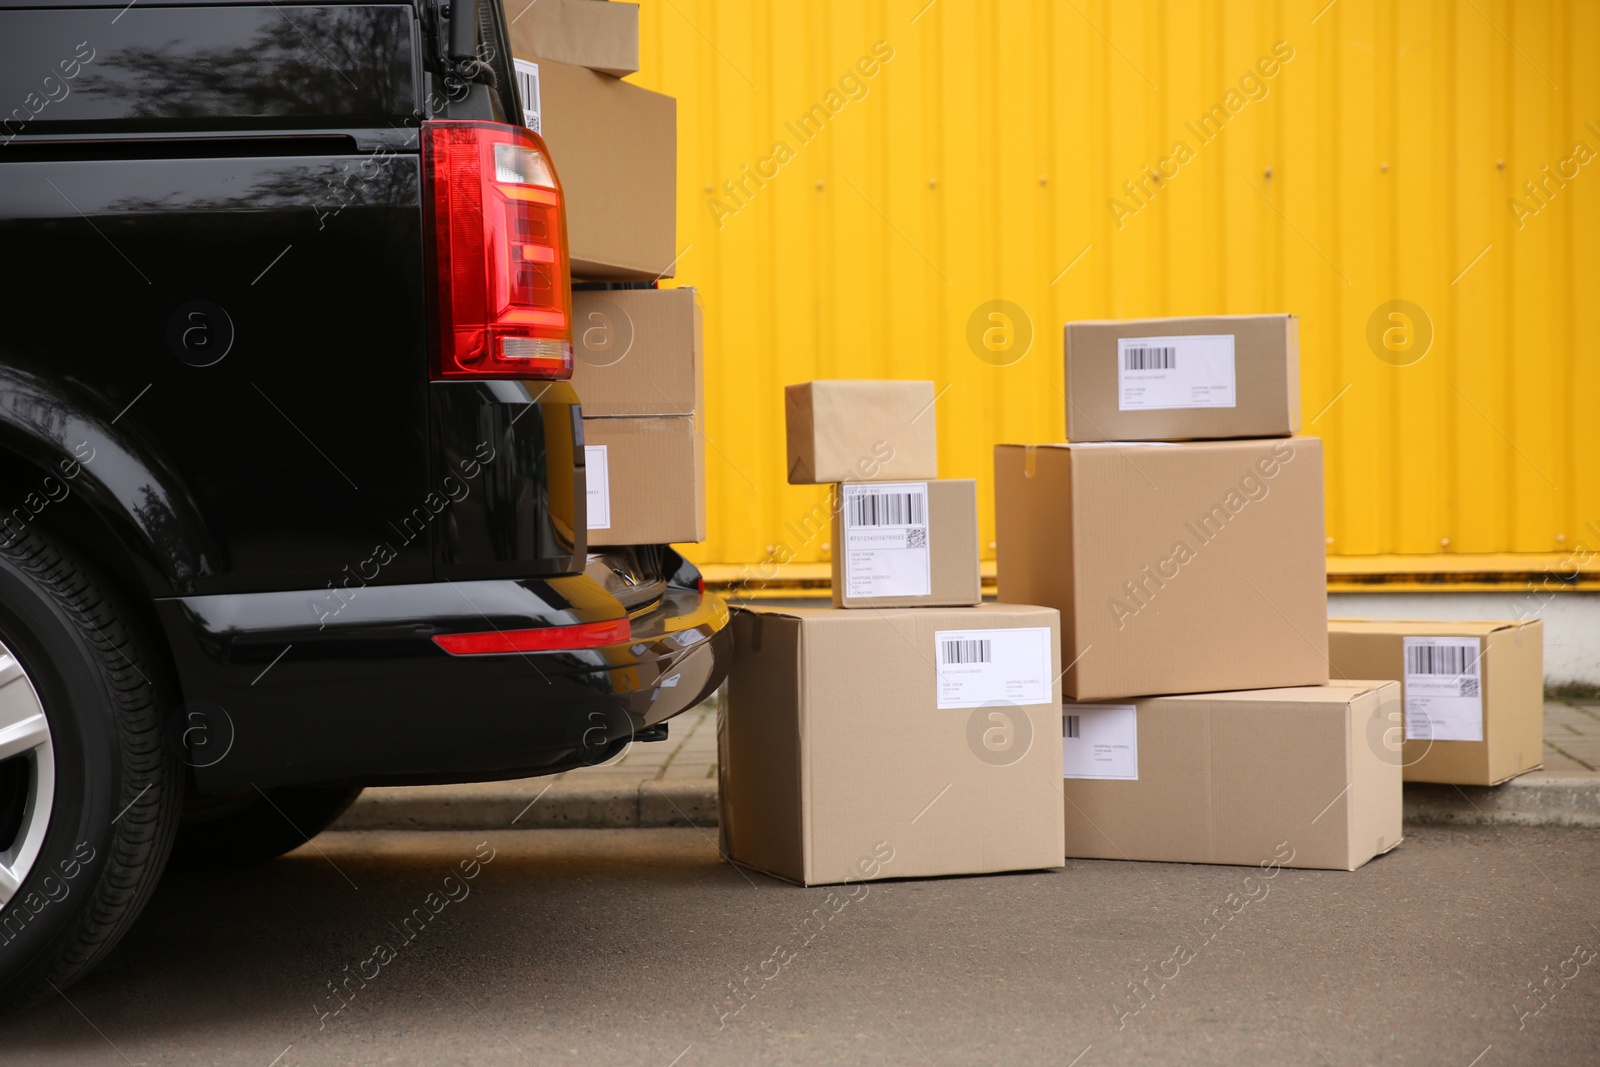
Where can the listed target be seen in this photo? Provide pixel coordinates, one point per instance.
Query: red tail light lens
(501, 278)
(543, 639)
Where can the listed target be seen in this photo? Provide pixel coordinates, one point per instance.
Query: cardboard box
(1292, 777)
(857, 745)
(847, 430)
(615, 147)
(585, 33)
(1178, 568)
(637, 351)
(1473, 692)
(1181, 379)
(646, 480)
(906, 544)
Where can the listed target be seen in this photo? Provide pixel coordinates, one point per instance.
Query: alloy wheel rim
(25, 746)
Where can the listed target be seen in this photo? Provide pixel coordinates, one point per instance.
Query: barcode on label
(1072, 726)
(1469, 687)
(964, 651)
(1163, 357)
(528, 87)
(887, 509)
(1449, 660)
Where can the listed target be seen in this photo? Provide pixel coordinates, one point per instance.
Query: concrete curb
(1536, 799)
(1541, 798)
(503, 805)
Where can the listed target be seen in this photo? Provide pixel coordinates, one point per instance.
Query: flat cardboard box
(1217, 376)
(906, 544)
(637, 351)
(1293, 777)
(646, 480)
(837, 762)
(603, 36)
(1480, 738)
(1178, 568)
(859, 430)
(615, 147)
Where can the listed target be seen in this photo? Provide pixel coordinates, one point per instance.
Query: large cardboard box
(856, 745)
(602, 36)
(1294, 777)
(1178, 568)
(615, 148)
(847, 430)
(1180, 379)
(906, 544)
(1473, 692)
(637, 351)
(646, 480)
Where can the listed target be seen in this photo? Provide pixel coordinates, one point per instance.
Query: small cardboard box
(1178, 568)
(615, 148)
(637, 351)
(1293, 777)
(906, 544)
(1182, 379)
(1473, 692)
(585, 33)
(906, 743)
(646, 480)
(847, 430)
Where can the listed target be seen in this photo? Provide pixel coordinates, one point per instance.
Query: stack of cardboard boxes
(1181, 535)
(1176, 549)
(637, 366)
(910, 730)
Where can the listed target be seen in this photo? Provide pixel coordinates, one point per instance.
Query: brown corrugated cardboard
(586, 33)
(1473, 716)
(637, 351)
(646, 480)
(906, 544)
(1178, 568)
(846, 430)
(1295, 777)
(615, 148)
(1179, 379)
(837, 762)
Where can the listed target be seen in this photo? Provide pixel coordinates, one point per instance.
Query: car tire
(89, 790)
(252, 826)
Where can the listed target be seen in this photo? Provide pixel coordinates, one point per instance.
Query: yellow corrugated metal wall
(1385, 159)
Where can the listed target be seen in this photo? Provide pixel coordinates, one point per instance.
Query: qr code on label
(1469, 687)
(917, 537)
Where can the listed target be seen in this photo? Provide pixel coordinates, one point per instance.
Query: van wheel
(89, 792)
(252, 825)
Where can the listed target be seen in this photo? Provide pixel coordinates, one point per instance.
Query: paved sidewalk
(663, 783)
(674, 783)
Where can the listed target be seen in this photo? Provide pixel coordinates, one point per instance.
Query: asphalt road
(620, 946)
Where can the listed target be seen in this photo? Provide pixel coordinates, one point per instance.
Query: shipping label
(981, 667)
(1156, 373)
(1100, 741)
(1444, 689)
(528, 89)
(599, 486)
(886, 539)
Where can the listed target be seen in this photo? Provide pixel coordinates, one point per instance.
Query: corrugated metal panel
(980, 162)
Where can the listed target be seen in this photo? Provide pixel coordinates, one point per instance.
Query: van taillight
(501, 279)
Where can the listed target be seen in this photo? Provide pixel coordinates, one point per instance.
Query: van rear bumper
(277, 693)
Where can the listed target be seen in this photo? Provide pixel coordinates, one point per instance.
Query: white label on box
(599, 485)
(1100, 741)
(528, 88)
(1175, 372)
(886, 539)
(981, 667)
(1444, 689)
